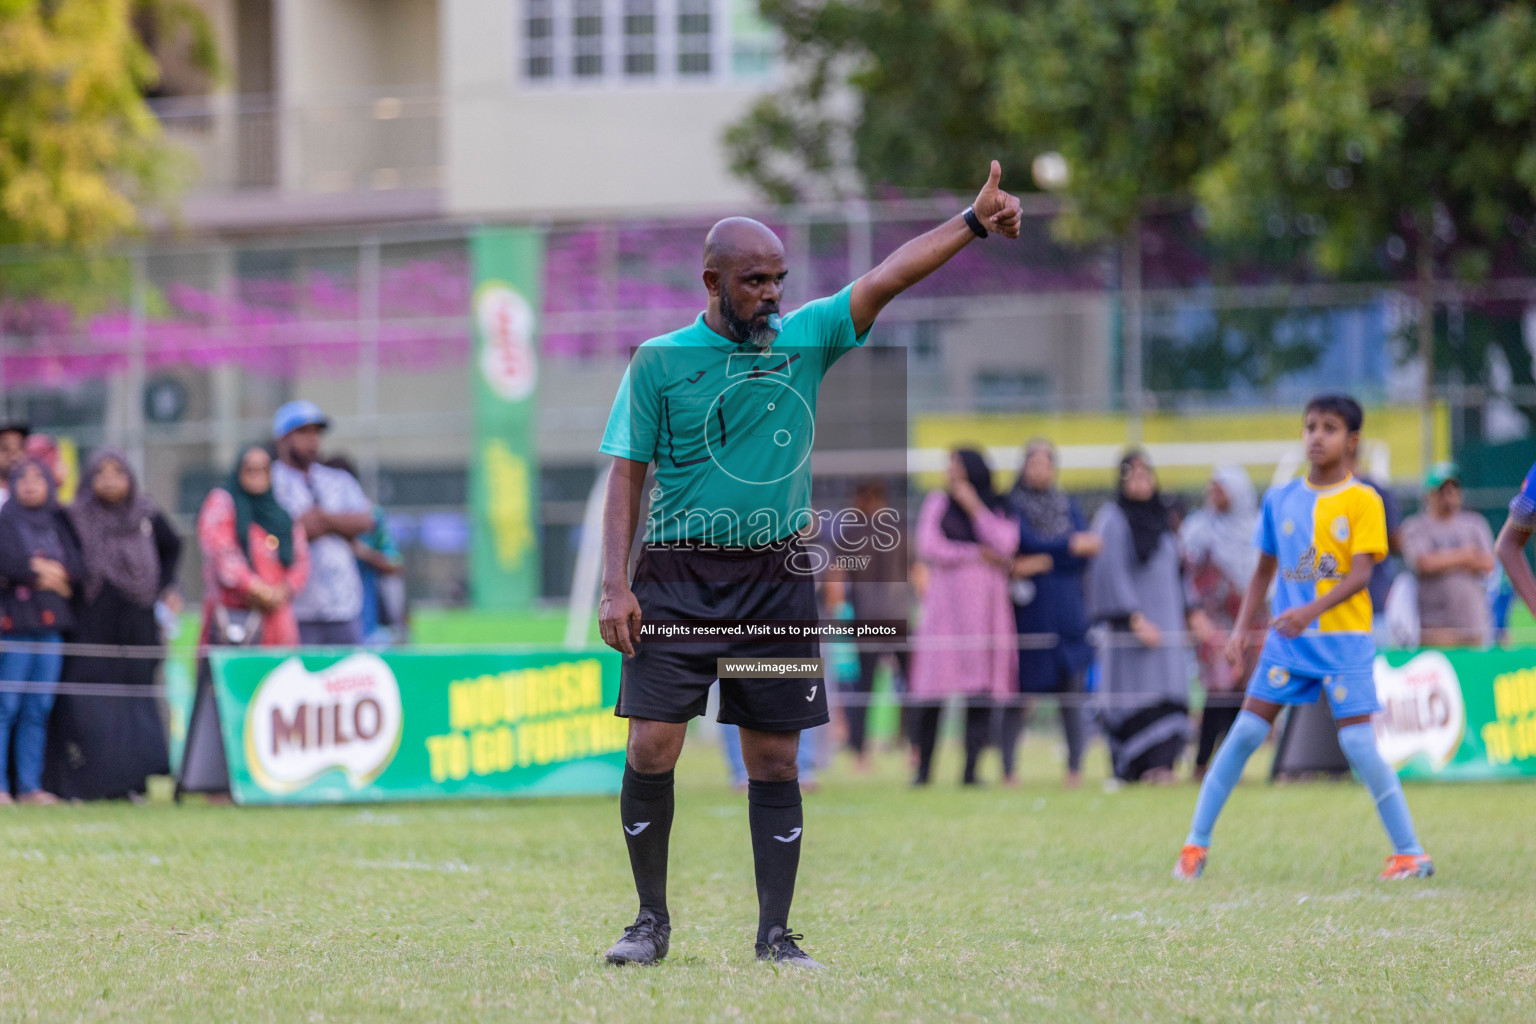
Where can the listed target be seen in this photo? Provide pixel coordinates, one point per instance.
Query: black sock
(645, 810)
(774, 814)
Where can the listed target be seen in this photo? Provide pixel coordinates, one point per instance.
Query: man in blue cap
(331, 507)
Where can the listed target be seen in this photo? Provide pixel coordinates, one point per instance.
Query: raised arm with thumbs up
(994, 211)
(997, 210)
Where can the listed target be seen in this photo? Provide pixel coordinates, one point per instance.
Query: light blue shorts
(1349, 693)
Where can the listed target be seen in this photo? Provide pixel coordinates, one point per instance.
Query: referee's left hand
(998, 210)
(618, 620)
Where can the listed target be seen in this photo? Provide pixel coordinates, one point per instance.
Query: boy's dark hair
(1342, 406)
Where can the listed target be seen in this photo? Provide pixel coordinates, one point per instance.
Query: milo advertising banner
(369, 726)
(1458, 714)
(504, 468)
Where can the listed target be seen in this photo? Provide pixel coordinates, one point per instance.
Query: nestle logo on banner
(1422, 710)
(301, 724)
(507, 359)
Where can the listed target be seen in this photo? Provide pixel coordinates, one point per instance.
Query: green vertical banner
(508, 266)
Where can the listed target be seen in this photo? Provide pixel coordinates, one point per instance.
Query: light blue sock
(1359, 744)
(1226, 768)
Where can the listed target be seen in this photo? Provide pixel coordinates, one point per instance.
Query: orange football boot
(1191, 863)
(1407, 865)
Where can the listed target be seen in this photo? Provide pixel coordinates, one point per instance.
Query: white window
(587, 38)
(634, 41)
(539, 39)
(754, 42)
(640, 37)
(694, 30)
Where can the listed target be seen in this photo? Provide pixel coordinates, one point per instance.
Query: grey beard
(744, 330)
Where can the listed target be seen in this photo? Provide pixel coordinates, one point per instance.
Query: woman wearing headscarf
(45, 449)
(107, 747)
(964, 642)
(255, 561)
(1135, 587)
(1219, 555)
(39, 571)
(255, 558)
(1046, 586)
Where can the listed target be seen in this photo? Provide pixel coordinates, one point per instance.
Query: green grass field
(1026, 904)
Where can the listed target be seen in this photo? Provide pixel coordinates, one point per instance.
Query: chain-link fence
(180, 351)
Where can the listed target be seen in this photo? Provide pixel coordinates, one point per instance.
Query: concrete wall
(326, 49)
(411, 44)
(1065, 340)
(344, 49)
(516, 149)
(249, 36)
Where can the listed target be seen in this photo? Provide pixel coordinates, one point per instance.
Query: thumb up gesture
(997, 210)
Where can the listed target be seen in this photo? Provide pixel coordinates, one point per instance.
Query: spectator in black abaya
(103, 747)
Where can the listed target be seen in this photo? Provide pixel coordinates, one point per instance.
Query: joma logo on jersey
(1309, 568)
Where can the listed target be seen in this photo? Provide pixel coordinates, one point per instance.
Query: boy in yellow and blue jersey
(1323, 535)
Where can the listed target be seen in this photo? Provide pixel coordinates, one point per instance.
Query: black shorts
(669, 680)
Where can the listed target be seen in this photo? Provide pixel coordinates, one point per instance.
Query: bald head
(739, 238)
(744, 274)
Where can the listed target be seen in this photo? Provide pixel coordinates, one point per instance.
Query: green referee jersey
(730, 428)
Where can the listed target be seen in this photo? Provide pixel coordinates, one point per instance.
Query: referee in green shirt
(725, 409)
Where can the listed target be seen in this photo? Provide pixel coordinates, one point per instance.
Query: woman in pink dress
(964, 641)
(255, 558)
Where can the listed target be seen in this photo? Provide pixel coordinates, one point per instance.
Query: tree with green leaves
(80, 150)
(1372, 138)
(879, 96)
(1113, 85)
(1404, 134)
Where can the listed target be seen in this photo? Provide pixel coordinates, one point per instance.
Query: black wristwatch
(974, 222)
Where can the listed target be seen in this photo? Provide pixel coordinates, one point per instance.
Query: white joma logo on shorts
(813, 693)
(637, 828)
(793, 835)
